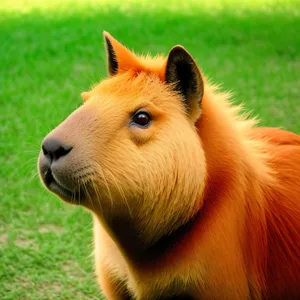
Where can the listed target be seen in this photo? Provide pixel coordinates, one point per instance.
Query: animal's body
(190, 199)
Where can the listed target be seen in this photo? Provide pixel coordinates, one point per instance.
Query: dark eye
(142, 119)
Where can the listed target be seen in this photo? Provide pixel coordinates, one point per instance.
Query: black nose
(55, 149)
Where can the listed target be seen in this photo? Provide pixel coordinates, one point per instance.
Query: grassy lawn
(52, 50)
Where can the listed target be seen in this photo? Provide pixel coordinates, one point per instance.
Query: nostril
(44, 150)
(54, 149)
(62, 151)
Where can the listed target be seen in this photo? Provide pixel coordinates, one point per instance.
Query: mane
(238, 120)
(272, 200)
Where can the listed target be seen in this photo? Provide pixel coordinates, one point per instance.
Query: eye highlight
(141, 119)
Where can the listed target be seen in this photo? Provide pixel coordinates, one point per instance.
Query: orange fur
(202, 204)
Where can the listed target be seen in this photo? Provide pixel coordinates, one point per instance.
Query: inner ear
(119, 58)
(183, 74)
(111, 57)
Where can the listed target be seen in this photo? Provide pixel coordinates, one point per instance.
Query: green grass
(52, 50)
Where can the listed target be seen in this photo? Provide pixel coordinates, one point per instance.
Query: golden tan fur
(210, 167)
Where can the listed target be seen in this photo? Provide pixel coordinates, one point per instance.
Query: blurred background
(52, 50)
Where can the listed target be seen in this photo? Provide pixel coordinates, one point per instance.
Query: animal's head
(132, 149)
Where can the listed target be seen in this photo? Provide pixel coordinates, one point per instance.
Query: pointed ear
(119, 58)
(183, 74)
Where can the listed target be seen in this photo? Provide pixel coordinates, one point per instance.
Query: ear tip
(178, 46)
(178, 49)
(108, 40)
(178, 52)
(106, 35)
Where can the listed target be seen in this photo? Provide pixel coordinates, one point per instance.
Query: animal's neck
(237, 174)
(126, 234)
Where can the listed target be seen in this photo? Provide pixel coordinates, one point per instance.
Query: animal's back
(283, 214)
(277, 136)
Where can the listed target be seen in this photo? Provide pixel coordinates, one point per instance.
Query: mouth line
(57, 188)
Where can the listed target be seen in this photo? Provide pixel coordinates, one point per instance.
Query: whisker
(78, 183)
(99, 169)
(121, 192)
(33, 176)
(24, 168)
(97, 195)
(97, 192)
